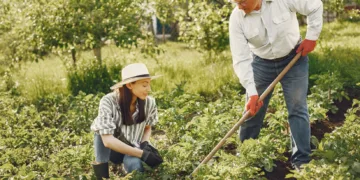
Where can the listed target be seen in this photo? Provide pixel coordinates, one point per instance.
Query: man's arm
(241, 54)
(313, 10)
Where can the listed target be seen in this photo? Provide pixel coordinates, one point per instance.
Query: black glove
(147, 146)
(144, 144)
(151, 158)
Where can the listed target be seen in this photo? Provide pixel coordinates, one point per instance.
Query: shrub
(92, 78)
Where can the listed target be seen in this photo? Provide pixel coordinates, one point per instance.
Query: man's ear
(128, 85)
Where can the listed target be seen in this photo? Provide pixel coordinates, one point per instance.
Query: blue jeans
(295, 86)
(104, 154)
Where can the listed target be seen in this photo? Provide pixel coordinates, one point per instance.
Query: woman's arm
(115, 144)
(147, 133)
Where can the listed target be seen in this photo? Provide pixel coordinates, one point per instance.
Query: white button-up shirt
(270, 33)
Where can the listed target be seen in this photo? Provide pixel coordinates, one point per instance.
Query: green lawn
(337, 50)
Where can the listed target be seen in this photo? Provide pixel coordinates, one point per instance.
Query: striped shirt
(109, 118)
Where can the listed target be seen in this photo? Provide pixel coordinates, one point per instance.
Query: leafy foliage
(337, 156)
(328, 88)
(92, 77)
(205, 26)
(49, 138)
(71, 25)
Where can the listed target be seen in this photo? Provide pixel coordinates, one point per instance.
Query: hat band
(142, 75)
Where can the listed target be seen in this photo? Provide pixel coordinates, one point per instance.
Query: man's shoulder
(237, 14)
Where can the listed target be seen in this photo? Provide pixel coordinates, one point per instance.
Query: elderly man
(264, 37)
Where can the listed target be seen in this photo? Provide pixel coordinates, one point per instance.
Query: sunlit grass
(39, 79)
(337, 50)
(177, 64)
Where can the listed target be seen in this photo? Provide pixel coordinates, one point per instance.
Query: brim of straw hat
(126, 81)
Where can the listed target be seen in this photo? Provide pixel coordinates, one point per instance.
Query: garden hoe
(247, 114)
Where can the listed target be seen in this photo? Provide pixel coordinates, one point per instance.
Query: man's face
(248, 5)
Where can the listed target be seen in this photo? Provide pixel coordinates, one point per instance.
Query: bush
(341, 59)
(92, 78)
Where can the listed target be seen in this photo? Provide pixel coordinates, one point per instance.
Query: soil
(281, 170)
(230, 148)
(318, 129)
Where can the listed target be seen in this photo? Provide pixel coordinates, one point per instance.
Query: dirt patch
(230, 148)
(318, 129)
(342, 106)
(281, 170)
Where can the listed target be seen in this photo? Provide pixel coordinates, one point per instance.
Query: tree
(204, 26)
(333, 6)
(164, 10)
(70, 25)
(89, 23)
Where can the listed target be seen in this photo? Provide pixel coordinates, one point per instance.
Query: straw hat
(132, 73)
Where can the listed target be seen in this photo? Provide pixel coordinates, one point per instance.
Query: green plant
(328, 88)
(337, 156)
(204, 26)
(89, 78)
(43, 27)
(276, 117)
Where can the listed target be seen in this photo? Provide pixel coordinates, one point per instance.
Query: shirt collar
(258, 11)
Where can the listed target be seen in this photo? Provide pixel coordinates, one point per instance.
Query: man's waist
(292, 51)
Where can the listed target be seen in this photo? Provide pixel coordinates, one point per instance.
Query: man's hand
(253, 105)
(306, 46)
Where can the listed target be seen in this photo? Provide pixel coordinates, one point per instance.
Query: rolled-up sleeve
(313, 10)
(152, 118)
(241, 54)
(104, 123)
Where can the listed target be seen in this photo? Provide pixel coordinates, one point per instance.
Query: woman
(123, 125)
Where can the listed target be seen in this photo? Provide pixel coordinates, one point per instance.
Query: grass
(36, 80)
(337, 50)
(177, 65)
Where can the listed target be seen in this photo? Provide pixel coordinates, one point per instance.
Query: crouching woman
(123, 125)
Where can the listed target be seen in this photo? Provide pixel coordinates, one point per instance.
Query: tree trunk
(163, 32)
(73, 55)
(175, 31)
(97, 53)
(153, 32)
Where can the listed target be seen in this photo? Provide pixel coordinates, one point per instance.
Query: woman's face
(140, 88)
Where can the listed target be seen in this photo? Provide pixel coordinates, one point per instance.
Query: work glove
(146, 145)
(151, 158)
(253, 105)
(306, 46)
